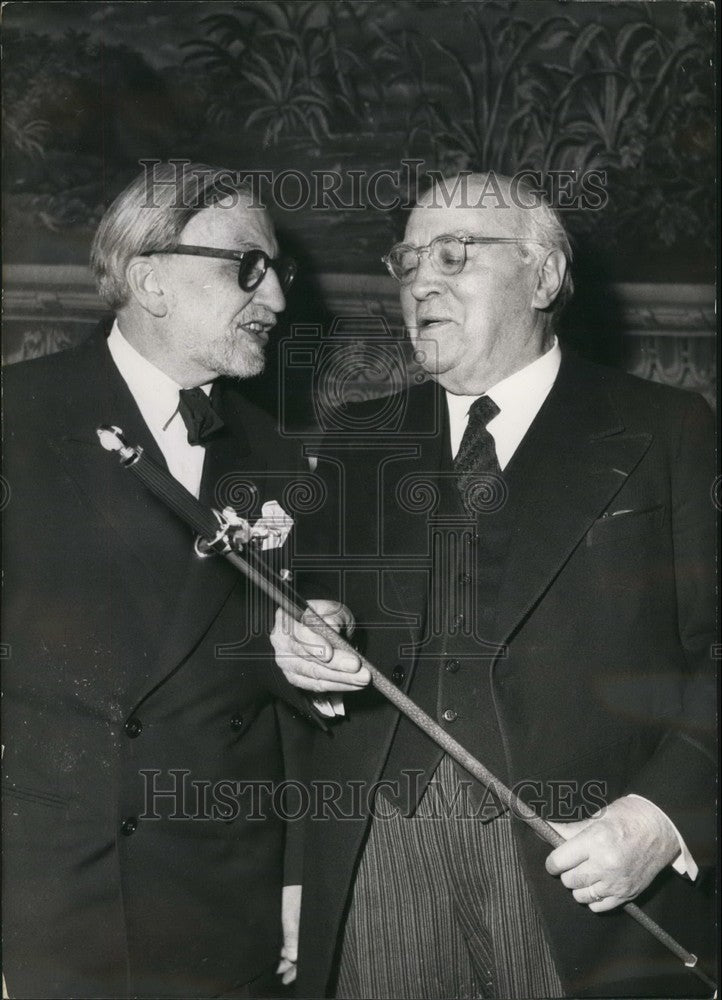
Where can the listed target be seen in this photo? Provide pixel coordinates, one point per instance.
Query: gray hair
(542, 222)
(149, 216)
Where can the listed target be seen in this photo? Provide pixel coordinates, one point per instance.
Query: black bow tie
(201, 420)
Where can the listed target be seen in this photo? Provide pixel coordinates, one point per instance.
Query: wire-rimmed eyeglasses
(446, 253)
(252, 264)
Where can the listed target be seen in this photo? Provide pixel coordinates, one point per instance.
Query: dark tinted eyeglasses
(252, 264)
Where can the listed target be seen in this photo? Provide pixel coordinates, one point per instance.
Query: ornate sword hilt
(233, 534)
(112, 439)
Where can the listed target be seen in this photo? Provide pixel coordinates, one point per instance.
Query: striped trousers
(441, 909)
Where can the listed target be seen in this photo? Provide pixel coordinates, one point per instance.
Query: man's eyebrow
(494, 236)
(439, 236)
(459, 234)
(253, 245)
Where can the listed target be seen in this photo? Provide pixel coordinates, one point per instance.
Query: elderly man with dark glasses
(123, 876)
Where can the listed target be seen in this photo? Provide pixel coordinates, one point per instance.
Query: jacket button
(398, 674)
(128, 826)
(451, 666)
(237, 722)
(450, 715)
(133, 727)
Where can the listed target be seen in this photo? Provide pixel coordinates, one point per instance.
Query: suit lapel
(575, 457)
(227, 455)
(186, 592)
(409, 530)
(573, 460)
(159, 543)
(235, 474)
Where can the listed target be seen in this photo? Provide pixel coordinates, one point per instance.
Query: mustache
(256, 314)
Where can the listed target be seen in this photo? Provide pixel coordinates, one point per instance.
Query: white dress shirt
(157, 397)
(519, 398)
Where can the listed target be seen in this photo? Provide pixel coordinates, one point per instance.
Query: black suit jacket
(133, 666)
(596, 664)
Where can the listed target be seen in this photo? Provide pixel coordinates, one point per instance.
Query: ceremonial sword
(223, 533)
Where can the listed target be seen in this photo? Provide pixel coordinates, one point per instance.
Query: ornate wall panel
(667, 330)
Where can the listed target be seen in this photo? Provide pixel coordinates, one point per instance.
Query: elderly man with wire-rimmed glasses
(547, 595)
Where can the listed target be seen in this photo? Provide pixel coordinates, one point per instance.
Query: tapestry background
(625, 88)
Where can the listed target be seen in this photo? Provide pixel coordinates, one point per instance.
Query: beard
(234, 355)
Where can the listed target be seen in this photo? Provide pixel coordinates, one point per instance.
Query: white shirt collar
(156, 395)
(519, 398)
(155, 392)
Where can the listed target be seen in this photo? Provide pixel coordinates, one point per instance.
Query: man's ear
(145, 284)
(549, 279)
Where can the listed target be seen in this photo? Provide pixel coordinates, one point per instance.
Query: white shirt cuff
(684, 863)
(330, 704)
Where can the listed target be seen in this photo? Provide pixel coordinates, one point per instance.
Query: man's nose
(269, 293)
(426, 280)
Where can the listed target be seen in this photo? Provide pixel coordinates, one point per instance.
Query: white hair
(543, 224)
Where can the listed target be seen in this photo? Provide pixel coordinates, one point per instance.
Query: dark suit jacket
(596, 664)
(131, 666)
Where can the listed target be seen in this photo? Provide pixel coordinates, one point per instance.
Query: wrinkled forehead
(472, 209)
(234, 223)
